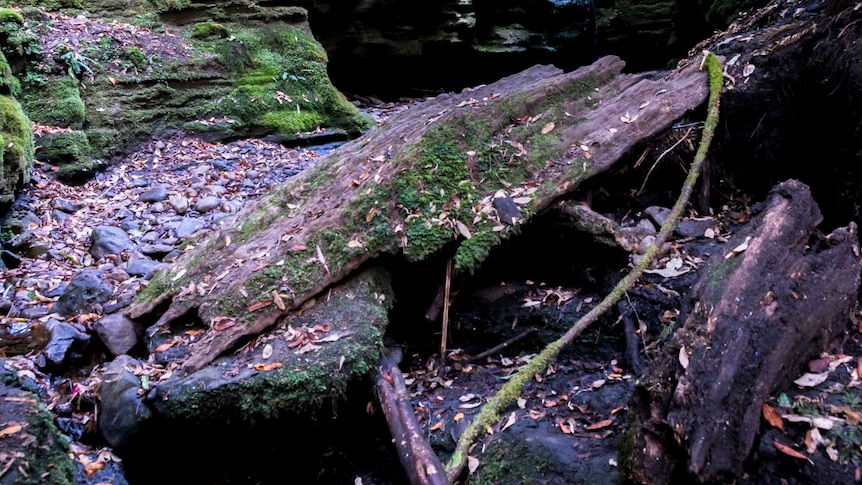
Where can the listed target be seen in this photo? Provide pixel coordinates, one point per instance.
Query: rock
(142, 266)
(70, 152)
(9, 259)
(180, 204)
(156, 194)
(83, 294)
(39, 451)
(119, 333)
(64, 337)
(186, 227)
(109, 240)
(17, 150)
(694, 228)
(123, 412)
(657, 214)
(207, 204)
(65, 205)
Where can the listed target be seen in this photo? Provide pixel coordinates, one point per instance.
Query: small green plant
(77, 63)
(137, 57)
(847, 440)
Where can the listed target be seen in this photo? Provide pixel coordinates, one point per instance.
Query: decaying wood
(774, 299)
(419, 461)
(514, 386)
(583, 121)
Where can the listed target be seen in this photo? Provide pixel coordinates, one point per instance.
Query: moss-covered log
(776, 297)
(421, 184)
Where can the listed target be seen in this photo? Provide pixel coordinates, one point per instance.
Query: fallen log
(776, 296)
(422, 184)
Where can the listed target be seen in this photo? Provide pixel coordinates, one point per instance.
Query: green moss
(70, 151)
(170, 5)
(137, 57)
(10, 15)
(282, 84)
(207, 30)
(291, 121)
(511, 461)
(57, 103)
(18, 149)
(9, 85)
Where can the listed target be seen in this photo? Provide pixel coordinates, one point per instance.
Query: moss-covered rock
(40, 452)
(70, 152)
(57, 103)
(287, 379)
(17, 153)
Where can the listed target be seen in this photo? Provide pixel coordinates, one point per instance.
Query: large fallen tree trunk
(776, 297)
(426, 182)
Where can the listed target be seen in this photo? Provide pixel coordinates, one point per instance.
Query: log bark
(776, 296)
(418, 459)
(422, 184)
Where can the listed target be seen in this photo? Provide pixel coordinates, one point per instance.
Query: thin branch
(511, 390)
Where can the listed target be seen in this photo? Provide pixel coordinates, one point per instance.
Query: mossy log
(422, 184)
(776, 298)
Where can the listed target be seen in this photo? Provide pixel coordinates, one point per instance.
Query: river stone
(123, 412)
(118, 332)
(65, 205)
(109, 240)
(156, 194)
(207, 204)
(64, 336)
(82, 295)
(141, 266)
(186, 227)
(180, 204)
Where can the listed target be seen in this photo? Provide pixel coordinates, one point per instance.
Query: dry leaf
(509, 422)
(10, 430)
(683, 358)
(112, 80)
(790, 451)
(601, 424)
(276, 298)
(267, 351)
(549, 127)
(463, 229)
(742, 247)
(472, 464)
(772, 416)
(811, 380)
(260, 304)
(322, 259)
(437, 425)
(165, 346)
(458, 417)
(267, 367)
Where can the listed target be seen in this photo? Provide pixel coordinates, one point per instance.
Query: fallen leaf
(683, 358)
(437, 425)
(742, 247)
(112, 80)
(267, 367)
(458, 417)
(599, 425)
(472, 464)
(260, 304)
(297, 248)
(509, 422)
(267, 351)
(790, 451)
(276, 298)
(463, 229)
(322, 259)
(10, 430)
(772, 416)
(811, 380)
(165, 346)
(309, 347)
(549, 127)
